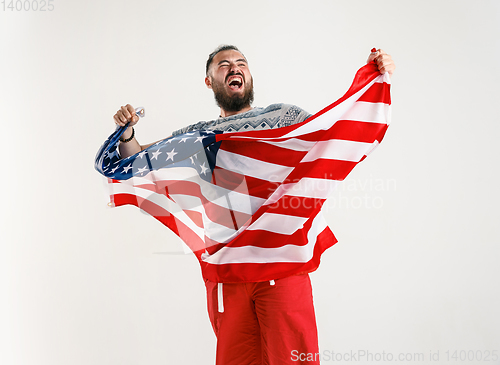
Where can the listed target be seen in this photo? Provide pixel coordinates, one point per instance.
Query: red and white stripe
(260, 218)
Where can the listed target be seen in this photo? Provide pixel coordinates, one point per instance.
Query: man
(267, 322)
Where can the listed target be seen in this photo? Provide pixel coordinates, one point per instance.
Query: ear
(208, 82)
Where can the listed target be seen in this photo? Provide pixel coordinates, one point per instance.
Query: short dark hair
(224, 47)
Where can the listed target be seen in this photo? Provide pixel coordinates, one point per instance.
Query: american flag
(248, 204)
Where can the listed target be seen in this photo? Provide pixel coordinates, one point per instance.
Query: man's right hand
(122, 117)
(125, 115)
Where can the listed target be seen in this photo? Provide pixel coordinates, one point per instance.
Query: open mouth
(235, 82)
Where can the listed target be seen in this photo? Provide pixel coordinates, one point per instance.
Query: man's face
(231, 81)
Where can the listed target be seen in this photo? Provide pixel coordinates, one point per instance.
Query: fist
(383, 61)
(125, 115)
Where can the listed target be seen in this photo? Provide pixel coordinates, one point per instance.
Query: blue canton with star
(196, 150)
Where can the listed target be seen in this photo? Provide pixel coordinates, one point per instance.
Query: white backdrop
(416, 269)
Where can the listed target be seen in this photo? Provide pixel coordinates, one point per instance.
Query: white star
(171, 155)
(142, 170)
(170, 140)
(141, 154)
(155, 155)
(183, 140)
(203, 169)
(112, 154)
(113, 170)
(200, 139)
(192, 160)
(126, 168)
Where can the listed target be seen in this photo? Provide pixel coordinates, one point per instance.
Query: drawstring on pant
(220, 298)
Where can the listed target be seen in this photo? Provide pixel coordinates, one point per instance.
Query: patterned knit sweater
(274, 116)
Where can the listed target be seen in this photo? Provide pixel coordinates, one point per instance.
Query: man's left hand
(383, 61)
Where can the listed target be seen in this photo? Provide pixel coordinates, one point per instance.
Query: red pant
(266, 323)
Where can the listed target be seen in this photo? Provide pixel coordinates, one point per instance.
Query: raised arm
(128, 143)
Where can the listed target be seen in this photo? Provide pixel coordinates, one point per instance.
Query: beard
(235, 102)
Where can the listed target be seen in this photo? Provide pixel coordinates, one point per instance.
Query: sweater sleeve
(292, 114)
(192, 127)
